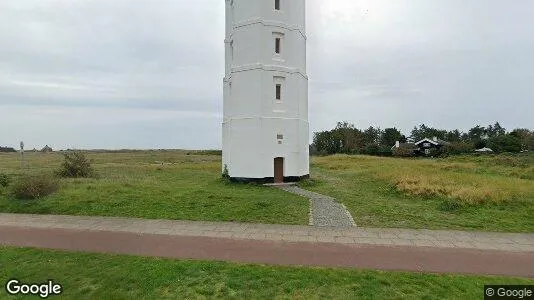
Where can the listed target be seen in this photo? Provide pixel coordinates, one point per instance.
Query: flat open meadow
(176, 185)
(489, 193)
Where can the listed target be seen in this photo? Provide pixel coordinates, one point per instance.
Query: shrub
(7, 149)
(450, 205)
(31, 187)
(458, 148)
(4, 180)
(505, 143)
(76, 165)
(385, 151)
(205, 152)
(226, 173)
(435, 152)
(479, 144)
(308, 183)
(372, 149)
(403, 152)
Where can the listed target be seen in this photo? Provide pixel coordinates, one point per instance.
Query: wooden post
(22, 155)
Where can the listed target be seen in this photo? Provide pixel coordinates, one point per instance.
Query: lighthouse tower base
(268, 179)
(266, 149)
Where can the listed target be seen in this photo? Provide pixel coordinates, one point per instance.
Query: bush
(435, 152)
(403, 152)
(505, 143)
(450, 205)
(458, 148)
(4, 180)
(479, 144)
(76, 165)
(226, 173)
(31, 187)
(7, 149)
(385, 151)
(372, 149)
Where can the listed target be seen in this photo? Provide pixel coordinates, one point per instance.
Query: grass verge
(102, 276)
(156, 185)
(474, 193)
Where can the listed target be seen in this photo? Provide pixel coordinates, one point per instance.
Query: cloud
(132, 73)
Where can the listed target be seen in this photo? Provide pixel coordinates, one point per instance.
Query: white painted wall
(252, 116)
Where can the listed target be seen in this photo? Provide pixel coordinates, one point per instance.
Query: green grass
(155, 185)
(491, 193)
(102, 276)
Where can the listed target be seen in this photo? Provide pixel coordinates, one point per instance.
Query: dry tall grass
(471, 180)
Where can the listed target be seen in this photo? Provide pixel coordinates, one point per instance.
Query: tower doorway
(279, 170)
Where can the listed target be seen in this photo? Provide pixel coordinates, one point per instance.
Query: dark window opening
(277, 44)
(277, 4)
(278, 92)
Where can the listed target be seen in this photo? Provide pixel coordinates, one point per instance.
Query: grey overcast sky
(148, 74)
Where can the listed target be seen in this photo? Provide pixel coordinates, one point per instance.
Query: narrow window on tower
(277, 4)
(278, 39)
(279, 86)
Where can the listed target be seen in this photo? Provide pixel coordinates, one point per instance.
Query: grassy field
(494, 193)
(156, 185)
(101, 276)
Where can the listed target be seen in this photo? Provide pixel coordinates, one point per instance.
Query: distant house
(422, 147)
(404, 149)
(398, 144)
(426, 145)
(46, 149)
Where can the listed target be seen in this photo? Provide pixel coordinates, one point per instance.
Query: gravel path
(324, 211)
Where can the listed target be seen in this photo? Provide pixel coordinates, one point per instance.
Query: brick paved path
(521, 242)
(387, 249)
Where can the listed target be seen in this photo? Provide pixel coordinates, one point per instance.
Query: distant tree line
(346, 138)
(7, 149)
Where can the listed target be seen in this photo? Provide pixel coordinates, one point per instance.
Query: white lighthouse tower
(265, 127)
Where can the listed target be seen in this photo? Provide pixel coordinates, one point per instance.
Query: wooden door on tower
(279, 170)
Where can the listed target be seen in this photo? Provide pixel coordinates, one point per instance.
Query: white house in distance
(265, 125)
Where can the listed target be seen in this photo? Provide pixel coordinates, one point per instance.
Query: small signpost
(22, 155)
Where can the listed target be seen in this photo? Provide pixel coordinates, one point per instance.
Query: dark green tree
(505, 143)
(478, 136)
(327, 142)
(351, 137)
(495, 130)
(426, 132)
(477, 133)
(526, 136)
(390, 136)
(372, 136)
(453, 136)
